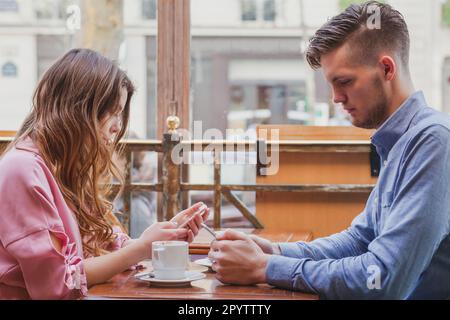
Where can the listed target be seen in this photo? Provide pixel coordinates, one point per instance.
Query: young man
(399, 246)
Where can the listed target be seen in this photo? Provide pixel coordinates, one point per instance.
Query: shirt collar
(398, 123)
(27, 144)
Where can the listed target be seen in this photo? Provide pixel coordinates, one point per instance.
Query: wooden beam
(173, 59)
(140, 187)
(243, 209)
(4, 133)
(283, 146)
(336, 188)
(142, 145)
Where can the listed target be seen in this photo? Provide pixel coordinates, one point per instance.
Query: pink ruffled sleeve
(32, 209)
(47, 273)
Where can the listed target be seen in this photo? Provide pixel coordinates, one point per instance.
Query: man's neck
(402, 90)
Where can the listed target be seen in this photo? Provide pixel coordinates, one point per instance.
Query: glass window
(149, 9)
(29, 49)
(51, 9)
(258, 10)
(9, 70)
(33, 51)
(242, 77)
(249, 10)
(9, 6)
(269, 10)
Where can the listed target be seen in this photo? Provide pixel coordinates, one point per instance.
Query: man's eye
(344, 82)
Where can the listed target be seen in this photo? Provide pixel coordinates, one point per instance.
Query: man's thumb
(230, 234)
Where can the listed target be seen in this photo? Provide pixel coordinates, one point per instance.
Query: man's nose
(339, 97)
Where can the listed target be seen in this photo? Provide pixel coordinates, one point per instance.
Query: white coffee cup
(170, 259)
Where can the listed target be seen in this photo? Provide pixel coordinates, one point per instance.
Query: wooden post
(170, 178)
(173, 62)
(127, 190)
(217, 190)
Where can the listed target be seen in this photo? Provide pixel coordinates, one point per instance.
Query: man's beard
(378, 111)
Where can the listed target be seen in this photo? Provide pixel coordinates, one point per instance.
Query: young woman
(55, 238)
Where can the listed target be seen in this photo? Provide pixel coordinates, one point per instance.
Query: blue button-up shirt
(399, 246)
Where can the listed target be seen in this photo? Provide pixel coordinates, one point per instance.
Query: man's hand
(266, 246)
(237, 259)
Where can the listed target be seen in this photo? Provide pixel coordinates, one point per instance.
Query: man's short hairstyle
(355, 27)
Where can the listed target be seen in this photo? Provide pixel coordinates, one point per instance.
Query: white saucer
(190, 276)
(206, 262)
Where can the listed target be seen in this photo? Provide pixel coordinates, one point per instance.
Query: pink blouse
(31, 208)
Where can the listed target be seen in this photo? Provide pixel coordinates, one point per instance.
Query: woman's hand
(161, 231)
(192, 218)
(183, 227)
(100, 269)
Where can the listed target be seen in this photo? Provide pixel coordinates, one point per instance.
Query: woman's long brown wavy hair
(70, 102)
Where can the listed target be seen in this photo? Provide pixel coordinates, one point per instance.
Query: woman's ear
(389, 67)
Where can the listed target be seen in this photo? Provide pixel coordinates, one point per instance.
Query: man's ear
(389, 67)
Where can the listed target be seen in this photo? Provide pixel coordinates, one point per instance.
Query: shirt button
(385, 163)
(376, 200)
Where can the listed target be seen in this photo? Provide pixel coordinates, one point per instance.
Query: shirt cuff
(278, 271)
(285, 272)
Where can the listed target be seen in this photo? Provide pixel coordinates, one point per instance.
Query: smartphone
(201, 211)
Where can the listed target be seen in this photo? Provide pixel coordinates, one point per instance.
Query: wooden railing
(171, 187)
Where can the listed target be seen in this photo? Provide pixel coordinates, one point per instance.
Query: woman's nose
(115, 127)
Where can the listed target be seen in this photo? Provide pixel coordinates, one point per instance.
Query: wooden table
(125, 286)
